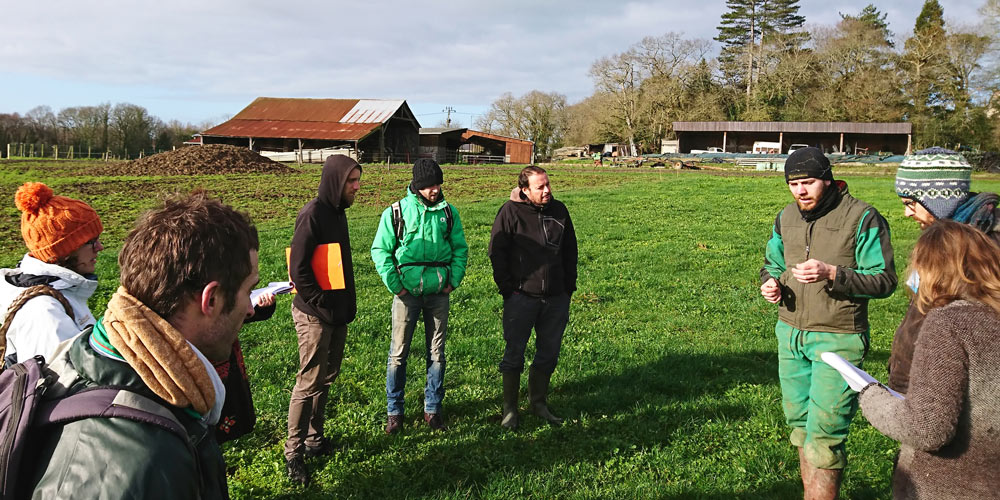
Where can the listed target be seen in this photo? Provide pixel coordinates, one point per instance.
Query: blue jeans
(548, 316)
(405, 312)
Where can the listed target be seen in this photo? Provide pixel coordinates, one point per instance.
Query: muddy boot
(805, 470)
(538, 391)
(511, 386)
(820, 484)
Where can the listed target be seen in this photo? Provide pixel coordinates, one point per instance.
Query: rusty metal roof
(288, 118)
(468, 134)
(814, 127)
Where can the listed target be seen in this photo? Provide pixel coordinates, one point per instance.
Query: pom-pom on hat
(939, 182)
(54, 226)
(426, 173)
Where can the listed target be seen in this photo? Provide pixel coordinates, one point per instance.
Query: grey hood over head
(331, 183)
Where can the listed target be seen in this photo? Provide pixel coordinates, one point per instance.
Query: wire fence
(20, 150)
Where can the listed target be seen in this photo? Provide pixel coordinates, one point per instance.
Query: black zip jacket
(533, 249)
(322, 221)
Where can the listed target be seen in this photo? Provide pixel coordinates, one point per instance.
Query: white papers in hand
(856, 378)
(275, 287)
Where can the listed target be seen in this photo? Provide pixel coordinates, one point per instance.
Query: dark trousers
(321, 350)
(548, 316)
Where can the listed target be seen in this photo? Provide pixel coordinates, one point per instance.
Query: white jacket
(42, 323)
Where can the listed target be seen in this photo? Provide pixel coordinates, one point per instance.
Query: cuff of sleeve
(839, 282)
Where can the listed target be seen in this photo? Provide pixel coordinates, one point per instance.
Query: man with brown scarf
(186, 274)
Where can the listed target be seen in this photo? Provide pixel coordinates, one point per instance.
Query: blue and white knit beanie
(939, 182)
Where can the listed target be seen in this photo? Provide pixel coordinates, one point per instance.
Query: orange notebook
(327, 264)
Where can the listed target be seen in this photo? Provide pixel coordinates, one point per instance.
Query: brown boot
(511, 386)
(819, 484)
(538, 391)
(805, 470)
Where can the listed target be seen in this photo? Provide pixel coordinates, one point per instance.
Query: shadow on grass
(609, 417)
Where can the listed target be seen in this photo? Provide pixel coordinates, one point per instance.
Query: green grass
(668, 374)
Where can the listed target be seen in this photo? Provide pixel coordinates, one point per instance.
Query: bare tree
(536, 116)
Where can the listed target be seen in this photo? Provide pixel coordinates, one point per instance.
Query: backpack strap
(450, 220)
(397, 221)
(109, 402)
(15, 306)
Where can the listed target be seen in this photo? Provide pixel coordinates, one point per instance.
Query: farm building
(831, 137)
(367, 129)
(462, 145)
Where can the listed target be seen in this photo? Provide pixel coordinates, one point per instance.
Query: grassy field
(668, 374)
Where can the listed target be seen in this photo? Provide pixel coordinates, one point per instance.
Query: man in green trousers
(829, 253)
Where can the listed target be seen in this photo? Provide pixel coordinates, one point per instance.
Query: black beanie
(807, 162)
(426, 173)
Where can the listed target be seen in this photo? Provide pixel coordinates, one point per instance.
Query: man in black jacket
(533, 252)
(321, 309)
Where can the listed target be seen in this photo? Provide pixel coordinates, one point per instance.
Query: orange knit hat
(54, 226)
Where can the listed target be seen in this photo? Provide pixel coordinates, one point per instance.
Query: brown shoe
(393, 424)
(435, 422)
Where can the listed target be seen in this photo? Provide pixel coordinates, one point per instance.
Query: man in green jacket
(186, 274)
(420, 252)
(829, 253)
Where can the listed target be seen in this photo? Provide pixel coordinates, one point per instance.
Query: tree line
(944, 79)
(121, 129)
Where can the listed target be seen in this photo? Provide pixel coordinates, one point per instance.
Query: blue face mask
(913, 281)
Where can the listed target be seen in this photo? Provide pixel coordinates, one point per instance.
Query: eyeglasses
(910, 204)
(93, 243)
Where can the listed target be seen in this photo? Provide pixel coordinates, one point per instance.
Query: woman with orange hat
(63, 240)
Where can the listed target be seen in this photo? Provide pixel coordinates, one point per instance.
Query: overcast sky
(205, 61)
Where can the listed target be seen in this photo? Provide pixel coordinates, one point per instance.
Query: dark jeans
(548, 316)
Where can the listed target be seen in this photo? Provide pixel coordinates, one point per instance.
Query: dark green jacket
(111, 458)
(852, 236)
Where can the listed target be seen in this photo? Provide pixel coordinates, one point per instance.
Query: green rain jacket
(114, 458)
(427, 259)
(852, 236)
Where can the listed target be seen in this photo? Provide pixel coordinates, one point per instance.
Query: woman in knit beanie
(948, 423)
(62, 236)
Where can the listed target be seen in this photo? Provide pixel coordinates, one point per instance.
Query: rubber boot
(824, 484)
(538, 391)
(805, 470)
(511, 386)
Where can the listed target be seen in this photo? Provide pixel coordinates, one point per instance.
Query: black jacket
(533, 249)
(322, 221)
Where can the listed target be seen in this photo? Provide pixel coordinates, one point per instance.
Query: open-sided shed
(473, 146)
(831, 137)
(374, 129)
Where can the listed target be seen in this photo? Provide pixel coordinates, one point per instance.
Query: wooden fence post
(55, 151)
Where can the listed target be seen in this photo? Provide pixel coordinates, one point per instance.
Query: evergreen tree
(747, 26)
(871, 16)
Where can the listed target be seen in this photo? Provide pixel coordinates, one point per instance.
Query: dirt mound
(199, 160)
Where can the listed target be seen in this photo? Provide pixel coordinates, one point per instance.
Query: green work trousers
(817, 402)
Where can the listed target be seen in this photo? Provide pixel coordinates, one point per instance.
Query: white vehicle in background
(794, 147)
(766, 148)
(703, 151)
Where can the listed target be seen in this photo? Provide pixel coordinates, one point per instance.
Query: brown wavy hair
(956, 261)
(176, 250)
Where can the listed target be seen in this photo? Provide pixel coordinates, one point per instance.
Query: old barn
(462, 145)
(368, 129)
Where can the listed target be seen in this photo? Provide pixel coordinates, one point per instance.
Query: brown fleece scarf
(159, 354)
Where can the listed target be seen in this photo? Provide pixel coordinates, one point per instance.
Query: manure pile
(199, 160)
